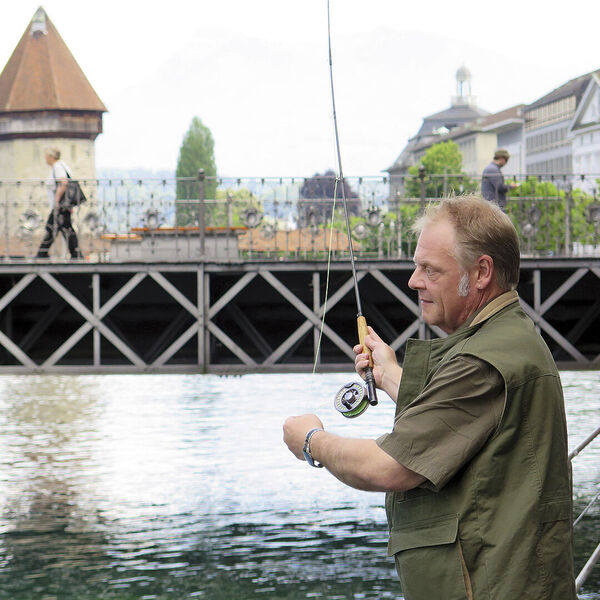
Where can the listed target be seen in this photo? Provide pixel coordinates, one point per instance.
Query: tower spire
(38, 23)
(463, 88)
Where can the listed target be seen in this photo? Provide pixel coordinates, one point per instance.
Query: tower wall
(25, 158)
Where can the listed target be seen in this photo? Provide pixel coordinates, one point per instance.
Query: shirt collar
(492, 307)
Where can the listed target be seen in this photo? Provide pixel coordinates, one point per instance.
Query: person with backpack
(60, 211)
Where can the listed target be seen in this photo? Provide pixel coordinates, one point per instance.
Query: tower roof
(42, 74)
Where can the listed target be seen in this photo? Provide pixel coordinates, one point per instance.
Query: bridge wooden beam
(92, 320)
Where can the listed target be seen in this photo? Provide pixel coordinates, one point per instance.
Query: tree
(196, 152)
(541, 213)
(317, 194)
(443, 173)
(320, 187)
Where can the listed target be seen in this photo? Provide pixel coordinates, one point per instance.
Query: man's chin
(428, 317)
(426, 310)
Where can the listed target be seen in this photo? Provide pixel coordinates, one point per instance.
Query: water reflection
(159, 487)
(46, 425)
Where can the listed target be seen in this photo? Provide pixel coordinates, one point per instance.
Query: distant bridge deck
(251, 316)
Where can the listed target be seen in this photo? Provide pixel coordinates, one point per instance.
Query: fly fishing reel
(352, 400)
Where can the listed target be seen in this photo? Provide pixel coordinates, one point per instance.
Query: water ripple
(156, 487)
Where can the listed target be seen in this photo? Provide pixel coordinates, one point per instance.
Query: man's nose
(414, 283)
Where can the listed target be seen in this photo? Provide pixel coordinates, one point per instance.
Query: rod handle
(361, 323)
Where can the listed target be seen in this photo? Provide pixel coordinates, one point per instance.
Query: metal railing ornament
(30, 220)
(552, 219)
(595, 556)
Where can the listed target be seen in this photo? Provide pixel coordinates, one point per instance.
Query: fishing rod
(353, 399)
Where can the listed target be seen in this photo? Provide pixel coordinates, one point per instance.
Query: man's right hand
(386, 370)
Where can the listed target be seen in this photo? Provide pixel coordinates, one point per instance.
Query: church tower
(45, 101)
(463, 88)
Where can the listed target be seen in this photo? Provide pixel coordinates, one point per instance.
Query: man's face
(437, 278)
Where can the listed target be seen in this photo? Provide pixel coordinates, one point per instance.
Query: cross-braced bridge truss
(251, 317)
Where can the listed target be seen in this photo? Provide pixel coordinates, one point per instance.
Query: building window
(550, 113)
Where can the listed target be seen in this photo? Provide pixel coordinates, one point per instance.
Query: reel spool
(352, 400)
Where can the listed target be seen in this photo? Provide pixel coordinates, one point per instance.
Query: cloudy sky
(256, 72)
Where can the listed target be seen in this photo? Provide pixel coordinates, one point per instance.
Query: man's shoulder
(509, 338)
(492, 168)
(60, 170)
(511, 317)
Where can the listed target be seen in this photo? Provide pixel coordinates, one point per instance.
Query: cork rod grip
(361, 323)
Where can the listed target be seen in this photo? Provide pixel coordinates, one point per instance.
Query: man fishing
(475, 468)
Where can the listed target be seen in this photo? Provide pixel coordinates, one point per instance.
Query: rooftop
(42, 74)
(575, 87)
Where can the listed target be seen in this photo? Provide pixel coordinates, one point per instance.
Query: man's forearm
(362, 464)
(391, 381)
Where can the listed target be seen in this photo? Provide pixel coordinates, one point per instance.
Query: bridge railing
(595, 555)
(281, 218)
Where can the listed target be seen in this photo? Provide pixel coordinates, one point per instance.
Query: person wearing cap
(493, 187)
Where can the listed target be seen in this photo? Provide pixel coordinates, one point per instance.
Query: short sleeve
(452, 418)
(60, 171)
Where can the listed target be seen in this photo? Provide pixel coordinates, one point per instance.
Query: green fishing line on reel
(352, 400)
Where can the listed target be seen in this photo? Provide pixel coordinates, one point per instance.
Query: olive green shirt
(455, 414)
(500, 527)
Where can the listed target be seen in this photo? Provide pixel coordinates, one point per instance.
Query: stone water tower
(45, 101)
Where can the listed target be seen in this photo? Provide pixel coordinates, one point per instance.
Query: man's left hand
(295, 430)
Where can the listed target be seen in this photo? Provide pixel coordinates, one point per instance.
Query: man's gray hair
(53, 152)
(481, 228)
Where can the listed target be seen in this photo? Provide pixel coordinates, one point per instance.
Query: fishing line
(318, 349)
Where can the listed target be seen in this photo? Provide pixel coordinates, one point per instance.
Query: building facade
(437, 128)
(584, 133)
(557, 136)
(548, 145)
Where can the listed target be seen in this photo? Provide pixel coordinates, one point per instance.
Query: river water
(168, 487)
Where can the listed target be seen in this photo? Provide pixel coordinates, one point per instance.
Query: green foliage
(385, 238)
(548, 220)
(230, 207)
(542, 213)
(196, 152)
(440, 159)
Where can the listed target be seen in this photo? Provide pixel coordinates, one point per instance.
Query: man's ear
(485, 272)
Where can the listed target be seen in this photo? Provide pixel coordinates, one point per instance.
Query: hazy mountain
(268, 105)
(133, 173)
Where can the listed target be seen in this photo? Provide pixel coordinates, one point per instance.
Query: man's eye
(429, 271)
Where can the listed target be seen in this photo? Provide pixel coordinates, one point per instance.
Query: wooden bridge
(177, 282)
(251, 316)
